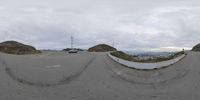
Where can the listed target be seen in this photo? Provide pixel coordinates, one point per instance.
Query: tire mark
(65, 80)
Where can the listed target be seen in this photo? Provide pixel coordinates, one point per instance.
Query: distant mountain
(102, 48)
(196, 48)
(147, 57)
(13, 47)
(150, 54)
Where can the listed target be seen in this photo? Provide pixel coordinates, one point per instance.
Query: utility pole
(113, 44)
(72, 42)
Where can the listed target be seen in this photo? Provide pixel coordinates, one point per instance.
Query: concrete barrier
(146, 66)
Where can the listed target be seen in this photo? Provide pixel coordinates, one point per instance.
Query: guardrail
(146, 66)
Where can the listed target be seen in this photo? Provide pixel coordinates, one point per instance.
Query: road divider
(146, 66)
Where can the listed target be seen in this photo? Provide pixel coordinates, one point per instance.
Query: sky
(153, 25)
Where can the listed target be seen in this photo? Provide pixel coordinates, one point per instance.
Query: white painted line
(53, 66)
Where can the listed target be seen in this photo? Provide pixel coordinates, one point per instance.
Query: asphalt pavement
(94, 76)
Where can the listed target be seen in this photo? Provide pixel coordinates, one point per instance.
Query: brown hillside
(13, 47)
(101, 48)
(196, 48)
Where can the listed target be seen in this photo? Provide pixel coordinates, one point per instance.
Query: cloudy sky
(129, 24)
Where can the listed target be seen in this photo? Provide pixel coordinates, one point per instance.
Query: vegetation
(125, 56)
(102, 48)
(122, 55)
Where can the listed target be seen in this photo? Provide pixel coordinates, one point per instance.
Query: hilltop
(196, 48)
(14, 47)
(102, 48)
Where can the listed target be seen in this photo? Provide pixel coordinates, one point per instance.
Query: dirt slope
(13, 47)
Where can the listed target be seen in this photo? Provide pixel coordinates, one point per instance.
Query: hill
(196, 48)
(13, 47)
(102, 48)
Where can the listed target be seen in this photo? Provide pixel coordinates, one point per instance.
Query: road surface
(94, 76)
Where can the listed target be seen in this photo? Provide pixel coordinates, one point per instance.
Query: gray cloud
(131, 24)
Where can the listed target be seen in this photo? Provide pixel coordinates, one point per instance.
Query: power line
(113, 44)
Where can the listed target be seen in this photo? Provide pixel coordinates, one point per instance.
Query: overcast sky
(129, 24)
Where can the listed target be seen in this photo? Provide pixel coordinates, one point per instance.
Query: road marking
(119, 72)
(53, 66)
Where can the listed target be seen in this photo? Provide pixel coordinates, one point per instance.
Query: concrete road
(94, 76)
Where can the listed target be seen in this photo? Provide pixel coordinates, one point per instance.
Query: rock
(196, 48)
(102, 48)
(13, 47)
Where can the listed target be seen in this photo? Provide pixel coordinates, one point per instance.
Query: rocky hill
(102, 48)
(13, 47)
(196, 48)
